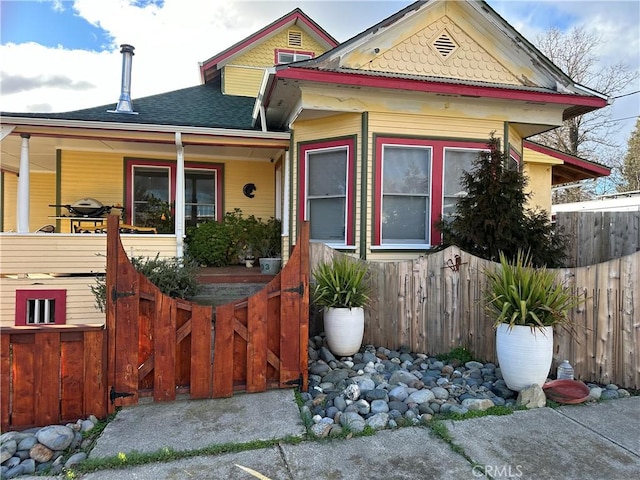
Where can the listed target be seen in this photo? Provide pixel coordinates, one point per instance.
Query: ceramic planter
(270, 266)
(524, 354)
(344, 328)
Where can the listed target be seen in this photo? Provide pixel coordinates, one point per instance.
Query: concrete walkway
(582, 442)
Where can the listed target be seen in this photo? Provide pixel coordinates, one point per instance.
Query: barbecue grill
(87, 207)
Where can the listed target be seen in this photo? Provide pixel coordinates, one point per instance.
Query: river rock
(321, 430)
(421, 396)
(480, 404)
(75, 459)
(401, 376)
(7, 450)
(379, 406)
(352, 421)
(352, 392)
(335, 376)
(532, 397)
(440, 393)
(378, 421)
(399, 393)
(40, 453)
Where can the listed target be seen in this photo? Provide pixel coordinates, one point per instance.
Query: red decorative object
(566, 391)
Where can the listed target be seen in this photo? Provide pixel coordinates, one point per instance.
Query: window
(456, 161)
(40, 307)
(289, 56)
(152, 182)
(406, 175)
(326, 195)
(417, 182)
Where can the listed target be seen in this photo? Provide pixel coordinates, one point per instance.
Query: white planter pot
(524, 355)
(344, 328)
(270, 266)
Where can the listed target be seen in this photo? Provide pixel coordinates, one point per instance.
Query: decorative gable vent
(295, 38)
(444, 44)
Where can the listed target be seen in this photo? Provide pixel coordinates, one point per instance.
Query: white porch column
(179, 204)
(287, 199)
(22, 207)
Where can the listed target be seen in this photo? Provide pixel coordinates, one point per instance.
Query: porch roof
(199, 106)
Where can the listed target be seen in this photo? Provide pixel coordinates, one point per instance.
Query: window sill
(400, 246)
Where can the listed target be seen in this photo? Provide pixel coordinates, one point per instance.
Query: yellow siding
(515, 139)
(9, 196)
(242, 81)
(80, 301)
(42, 194)
(246, 82)
(262, 174)
(73, 253)
(322, 129)
(538, 168)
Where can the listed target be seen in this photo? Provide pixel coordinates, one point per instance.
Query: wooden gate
(159, 346)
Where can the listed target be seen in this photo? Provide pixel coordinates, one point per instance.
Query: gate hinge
(299, 289)
(116, 295)
(297, 382)
(113, 394)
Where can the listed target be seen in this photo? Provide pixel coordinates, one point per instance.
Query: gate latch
(113, 395)
(116, 295)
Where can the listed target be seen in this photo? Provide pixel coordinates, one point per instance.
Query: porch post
(285, 190)
(22, 207)
(179, 205)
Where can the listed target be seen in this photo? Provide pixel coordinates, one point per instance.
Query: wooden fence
(51, 374)
(596, 237)
(434, 304)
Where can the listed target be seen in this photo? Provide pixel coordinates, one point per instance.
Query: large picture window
(326, 197)
(417, 182)
(151, 187)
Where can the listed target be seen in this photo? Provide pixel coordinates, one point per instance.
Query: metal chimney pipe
(124, 102)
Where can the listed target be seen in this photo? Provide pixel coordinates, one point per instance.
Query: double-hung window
(406, 192)
(417, 182)
(326, 196)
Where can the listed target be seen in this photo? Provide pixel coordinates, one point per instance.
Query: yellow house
(365, 139)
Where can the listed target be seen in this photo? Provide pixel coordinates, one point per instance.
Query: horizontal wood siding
(73, 253)
(80, 302)
(242, 81)
(9, 195)
(430, 308)
(320, 130)
(262, 174)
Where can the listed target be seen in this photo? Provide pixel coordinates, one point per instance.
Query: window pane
(200, 196)
(404, 219)
(406, 170)
(455, 162)
(326, 218)
(149, 185)
(327, 173)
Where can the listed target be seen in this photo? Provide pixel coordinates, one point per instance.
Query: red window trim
(303, 149)
(438, 147)
(23, 296)
(135, 162)
(288, 50)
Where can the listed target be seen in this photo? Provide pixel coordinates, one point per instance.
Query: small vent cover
(444, 44)
(295, 39)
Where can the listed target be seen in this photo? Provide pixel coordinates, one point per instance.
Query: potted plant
(526, 303)
(267, 246)
(342, 289)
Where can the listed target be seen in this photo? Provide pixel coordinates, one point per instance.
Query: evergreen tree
(493, 216)
(631, 166)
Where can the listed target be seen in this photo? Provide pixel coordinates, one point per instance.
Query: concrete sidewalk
(597, 441)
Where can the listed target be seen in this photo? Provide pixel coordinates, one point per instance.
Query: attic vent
(295, 38)
(444, 44)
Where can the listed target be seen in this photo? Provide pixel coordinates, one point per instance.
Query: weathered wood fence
(434, 304)
(597, 237)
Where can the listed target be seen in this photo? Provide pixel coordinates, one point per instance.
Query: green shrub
(219, 244)
(173, 276)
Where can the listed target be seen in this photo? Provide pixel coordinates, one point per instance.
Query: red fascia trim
(270, 29)
(362, 80)
(22, 296)
(598, 170)
(437, 171)
(351, 171)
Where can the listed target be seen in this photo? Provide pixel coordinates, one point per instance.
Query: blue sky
(63, 55)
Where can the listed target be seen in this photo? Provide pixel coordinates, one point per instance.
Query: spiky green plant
(519, 294)
(341, 283)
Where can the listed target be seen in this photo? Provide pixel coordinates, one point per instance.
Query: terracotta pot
(344, 328)
(524, 354)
